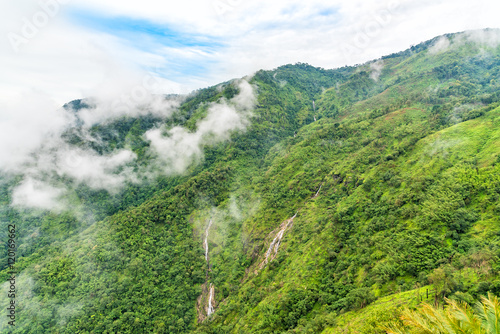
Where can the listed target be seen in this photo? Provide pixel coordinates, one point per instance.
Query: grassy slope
(371, 318)
(315, 236)
(453, 146)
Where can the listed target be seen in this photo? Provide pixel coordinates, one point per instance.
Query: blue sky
(132, 29)
(154, 37)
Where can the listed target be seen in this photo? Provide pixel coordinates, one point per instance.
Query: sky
(67, 49)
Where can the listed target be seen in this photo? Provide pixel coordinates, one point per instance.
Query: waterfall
(317, 193)
(275, 241)
(210, 308)
(211, 292)
(272, 251)
(211, 289)
(206, 240)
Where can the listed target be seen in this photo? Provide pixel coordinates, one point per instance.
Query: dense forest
(327, 201)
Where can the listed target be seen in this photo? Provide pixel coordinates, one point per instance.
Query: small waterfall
(202, 299)
(272, 251)
(211, 290)
(206, 240)
(274, 243)
(317, 193)
(211, 293)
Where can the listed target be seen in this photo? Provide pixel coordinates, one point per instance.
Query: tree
(443, 280)
(458, 317)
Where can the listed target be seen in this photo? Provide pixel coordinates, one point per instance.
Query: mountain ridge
(406, 162)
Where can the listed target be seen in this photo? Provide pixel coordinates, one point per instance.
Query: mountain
(298, 200)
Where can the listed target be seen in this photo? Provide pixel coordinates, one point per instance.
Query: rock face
(206, 302)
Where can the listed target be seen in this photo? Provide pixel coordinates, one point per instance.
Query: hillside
(320, 201)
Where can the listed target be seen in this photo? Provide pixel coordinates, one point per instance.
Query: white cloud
(36, 194)
(441, 45)
(52, 160)
(61, 61)
(138, 102)
(96, 171)
(41, 187)
(24, 123)
(68, 61)
(376, 68)
(483, 38)
(489, 38)
(180, 148)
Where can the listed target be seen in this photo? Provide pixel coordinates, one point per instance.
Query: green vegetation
(459, 317)
(406, 169)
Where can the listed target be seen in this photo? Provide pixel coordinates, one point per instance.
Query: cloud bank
(481, 38)
(52, 169)
(199, 43)
(35, 194)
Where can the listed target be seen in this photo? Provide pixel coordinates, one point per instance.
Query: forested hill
(322, 201)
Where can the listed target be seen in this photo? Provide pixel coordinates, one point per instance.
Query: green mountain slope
(349, 191)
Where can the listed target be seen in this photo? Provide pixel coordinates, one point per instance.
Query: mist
(50, 167)
(178, 148)
(376, 69)
(441, 45)
(489, 38)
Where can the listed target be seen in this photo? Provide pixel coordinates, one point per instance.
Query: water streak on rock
(272, 251)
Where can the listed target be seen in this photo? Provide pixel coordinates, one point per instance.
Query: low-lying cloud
(25, 123)
(54, 167)
(37, 194)
(489, 38)
(376, 68)
(179, 148)
(134, 99)
(97, 171)
(441, 45)
(57, 167)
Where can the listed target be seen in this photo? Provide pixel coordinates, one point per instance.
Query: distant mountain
(300, 200)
